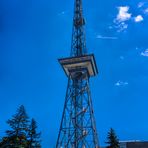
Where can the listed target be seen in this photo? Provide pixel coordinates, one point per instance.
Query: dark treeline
(112, 140)
(22, 133)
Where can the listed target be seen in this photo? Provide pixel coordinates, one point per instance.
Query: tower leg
(78, 129)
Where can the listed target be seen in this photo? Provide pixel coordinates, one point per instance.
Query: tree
(4, 143)
(112, 139)
(21, 134)
(34, 137)
(17, 136)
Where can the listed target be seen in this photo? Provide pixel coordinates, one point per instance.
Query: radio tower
(78, 128)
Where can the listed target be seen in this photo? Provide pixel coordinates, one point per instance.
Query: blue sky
(34, 34)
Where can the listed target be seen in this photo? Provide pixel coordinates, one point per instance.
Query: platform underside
(79, 64)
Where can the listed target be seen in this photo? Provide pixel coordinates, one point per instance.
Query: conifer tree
(112, 139)
(21, 134)
(34, 136)
(17, 136)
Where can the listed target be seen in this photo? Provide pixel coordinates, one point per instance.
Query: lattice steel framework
(78, 46)
(78, 128)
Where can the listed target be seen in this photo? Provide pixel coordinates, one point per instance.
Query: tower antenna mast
(78, 127)
(78, 36)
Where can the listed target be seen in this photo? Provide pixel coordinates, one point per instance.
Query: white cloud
(122, 57)
(123, 14)
(106, 37)
(141, 4)
(110, 27)
(145, 53)
(121, 83)
(137, 48)
(122, 26)
(138, 18)
(62, 13)
(146, 11)
(121, 18)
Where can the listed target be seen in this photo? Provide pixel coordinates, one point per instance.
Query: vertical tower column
(78, 45)
(78, 128)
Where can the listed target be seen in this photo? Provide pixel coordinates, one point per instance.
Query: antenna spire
(78, 46)
(78, 127)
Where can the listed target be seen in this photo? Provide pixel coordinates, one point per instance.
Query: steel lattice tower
(78, 129)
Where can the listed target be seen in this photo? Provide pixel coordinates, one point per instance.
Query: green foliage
(21, 134)
(18, 123)
(34, 137)
(112, 139)
(14, 142)
(17, 136)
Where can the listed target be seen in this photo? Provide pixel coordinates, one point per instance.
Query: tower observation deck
(78, 127)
